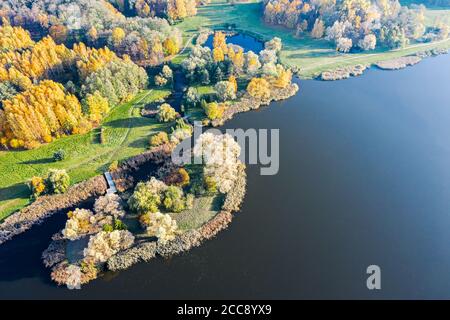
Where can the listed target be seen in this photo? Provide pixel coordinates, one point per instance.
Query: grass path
(370, 56)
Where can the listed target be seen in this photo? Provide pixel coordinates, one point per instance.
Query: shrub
(113, 166)
(37, 186)
(214, 110)
(103, 245)
(108, 228)
(162, 226)
(109, 205)
(174, 199)
(119, 225)
(160, 81)
(78, 223)
(159, 139)
(210, 185)
(147, 196)
(189, 201)
(59, 155)
(58, 181)
(166, 113)
(179, 178)
(184, 181)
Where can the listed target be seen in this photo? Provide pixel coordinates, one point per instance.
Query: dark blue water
(364, 179)
(248, 43)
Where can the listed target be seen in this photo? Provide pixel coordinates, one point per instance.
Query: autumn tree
(14, 38)
(225, 90)
(214, 110)
(59, 33)
(118, 34)
(318, 29)
(170, 47)
(232, 80)
(166, 113)
(96, 107)
(283, 78)
(259, 88)
(118, 81)
(219, 41)
(41, 113)
(218, 54)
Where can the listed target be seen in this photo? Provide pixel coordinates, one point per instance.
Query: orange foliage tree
(37, 115)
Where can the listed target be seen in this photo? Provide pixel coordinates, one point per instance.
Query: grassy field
(125, 134)
(203, 210)
(312, 56)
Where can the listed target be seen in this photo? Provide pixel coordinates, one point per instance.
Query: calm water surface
(245, 41)
(364, 179)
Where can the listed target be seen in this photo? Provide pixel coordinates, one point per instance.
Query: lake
(364, 179)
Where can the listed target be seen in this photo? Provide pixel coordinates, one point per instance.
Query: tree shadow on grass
(129, 123)
(140, 143)
(18, 190)
(38, 161)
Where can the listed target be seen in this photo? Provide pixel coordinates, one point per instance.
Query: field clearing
(312, 56)
(204, 209)
(125, 134)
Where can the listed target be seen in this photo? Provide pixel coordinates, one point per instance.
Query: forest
(65, 64)
(48, 90)
(147, 39)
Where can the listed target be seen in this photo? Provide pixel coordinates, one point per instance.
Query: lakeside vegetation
(311, 56)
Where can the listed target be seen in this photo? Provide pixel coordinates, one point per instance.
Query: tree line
(354, 24)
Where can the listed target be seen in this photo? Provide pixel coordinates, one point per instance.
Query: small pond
(248, 43)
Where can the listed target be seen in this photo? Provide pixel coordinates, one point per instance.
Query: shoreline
(390, 65)
(56, 258)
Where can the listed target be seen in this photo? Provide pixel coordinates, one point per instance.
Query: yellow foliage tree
(41, 61)
(284, 77)
(97, 106)
(117, 35)
(233, 81)
(214, 110)
(219, 41)
(93, 34)
(170, 47)
(90, 59)
(218, 55)
(259, 88)
(238, 60)
(43, 111)
(14, 38)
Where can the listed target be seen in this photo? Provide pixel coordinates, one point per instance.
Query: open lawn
(125, 133)
(312, 56)
(204, 209)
